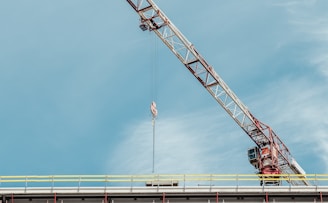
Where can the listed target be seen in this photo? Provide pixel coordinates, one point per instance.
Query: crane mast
(271, 155)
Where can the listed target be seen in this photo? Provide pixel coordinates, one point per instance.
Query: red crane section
(271, 155)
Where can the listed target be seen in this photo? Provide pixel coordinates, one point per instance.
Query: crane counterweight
(270, 156)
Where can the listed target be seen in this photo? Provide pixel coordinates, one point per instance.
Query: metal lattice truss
(153, 19)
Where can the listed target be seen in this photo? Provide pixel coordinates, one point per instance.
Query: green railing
(155, 180)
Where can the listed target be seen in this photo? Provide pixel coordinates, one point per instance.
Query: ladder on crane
(270, 156)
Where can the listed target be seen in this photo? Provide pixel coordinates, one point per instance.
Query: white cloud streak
(207, 142)
(194, 143)
(310, 19)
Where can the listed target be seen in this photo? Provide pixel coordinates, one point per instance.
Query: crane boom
(281, 160)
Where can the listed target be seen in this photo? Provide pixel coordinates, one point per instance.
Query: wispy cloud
(208, 141)
(200, 142)
(310, 19)
(320, 60)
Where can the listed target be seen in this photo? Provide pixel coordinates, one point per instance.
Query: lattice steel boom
(271, 156)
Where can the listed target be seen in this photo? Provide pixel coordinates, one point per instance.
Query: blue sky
(77, 80)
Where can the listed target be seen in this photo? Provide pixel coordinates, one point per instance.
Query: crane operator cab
(254, 156)
(261, 159)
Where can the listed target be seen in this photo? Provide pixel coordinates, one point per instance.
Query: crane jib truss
(153, 19)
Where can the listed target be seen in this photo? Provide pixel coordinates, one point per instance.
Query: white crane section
(279, 159)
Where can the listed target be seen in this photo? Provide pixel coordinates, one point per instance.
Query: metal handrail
(137, 180)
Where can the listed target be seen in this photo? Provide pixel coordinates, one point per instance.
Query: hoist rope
(154, 58)
(154, 68)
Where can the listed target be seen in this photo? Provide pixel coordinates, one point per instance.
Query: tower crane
(270, 156)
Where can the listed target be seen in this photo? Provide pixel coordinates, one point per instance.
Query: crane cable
(153, 85)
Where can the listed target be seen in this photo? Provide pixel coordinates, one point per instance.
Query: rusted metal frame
(186, 45)
(228, 92)
(284, 156)
(169, 37)
(283, 152)
(235, 112)
(151, 17)
(256, 134)
(136, 6)
(173, 30)
(171, 41)
(206, 68)
(235, 109)
(218, 93)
